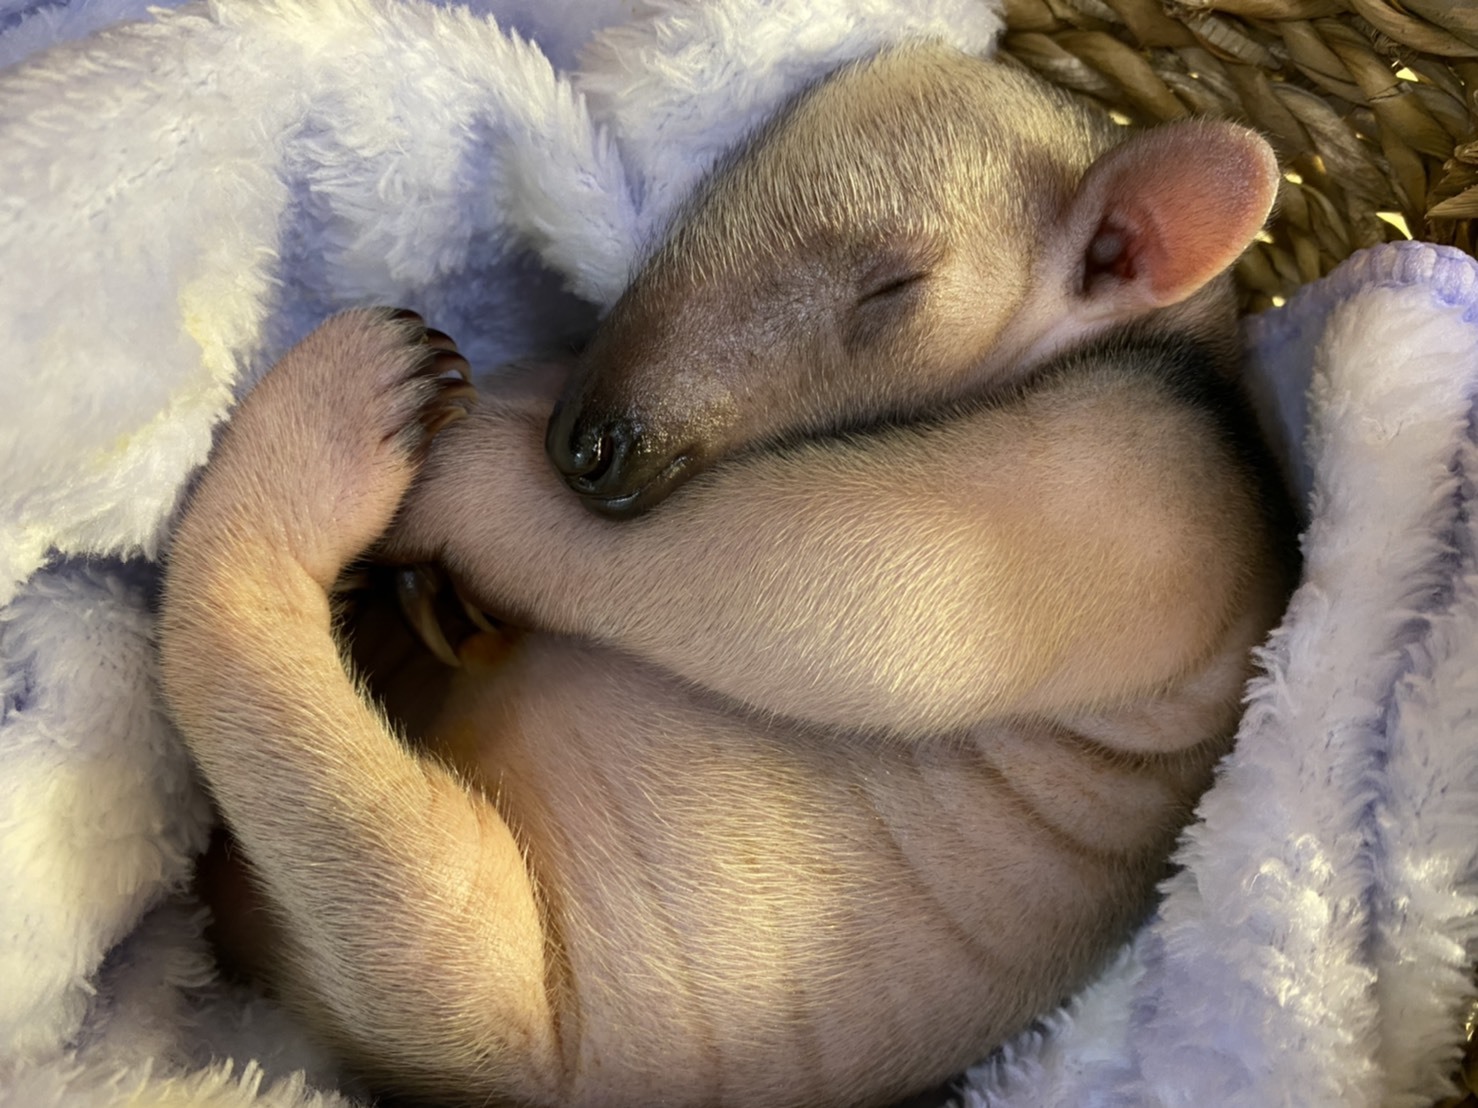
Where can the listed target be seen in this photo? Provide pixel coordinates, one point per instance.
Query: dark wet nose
(592, 454)
(616, 468)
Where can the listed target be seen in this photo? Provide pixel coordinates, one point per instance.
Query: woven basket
(1372, 106)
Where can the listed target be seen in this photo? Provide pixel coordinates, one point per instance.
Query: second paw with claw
(438, 613)
(450, 372)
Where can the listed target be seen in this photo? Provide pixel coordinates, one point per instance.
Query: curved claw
(440, 340)
(450, 390)
(451, 404)
(447, 361)
(415, 590)
(435, 422)
(474, 614)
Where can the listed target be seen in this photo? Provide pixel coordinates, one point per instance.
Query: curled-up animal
(862, 732)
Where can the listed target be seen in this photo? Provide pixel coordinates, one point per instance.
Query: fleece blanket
(187, 189)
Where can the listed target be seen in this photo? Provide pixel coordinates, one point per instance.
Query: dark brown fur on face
(813, 785)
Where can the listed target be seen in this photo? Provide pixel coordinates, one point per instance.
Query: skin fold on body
(852, 728)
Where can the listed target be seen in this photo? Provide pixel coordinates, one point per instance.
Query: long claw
(447, 361)
(415, 589)
(443, 419)
(451, 389)
(476, 615)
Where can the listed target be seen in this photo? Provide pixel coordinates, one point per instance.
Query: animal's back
(756, 904)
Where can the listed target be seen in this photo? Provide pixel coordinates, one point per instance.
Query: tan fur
(924, 163)
(814, 784)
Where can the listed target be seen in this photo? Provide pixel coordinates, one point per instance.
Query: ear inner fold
(1170, 209)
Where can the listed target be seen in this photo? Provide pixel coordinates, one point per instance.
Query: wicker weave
(1372, 106)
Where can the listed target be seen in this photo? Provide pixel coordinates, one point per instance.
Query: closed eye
(889, 298)
(892, 287)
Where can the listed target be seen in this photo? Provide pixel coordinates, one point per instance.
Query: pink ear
(1159, 216)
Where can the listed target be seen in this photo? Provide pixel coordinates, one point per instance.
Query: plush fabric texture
(183, 196)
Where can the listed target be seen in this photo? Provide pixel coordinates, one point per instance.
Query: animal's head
(912, 229)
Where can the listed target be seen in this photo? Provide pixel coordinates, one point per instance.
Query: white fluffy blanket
(183, 196)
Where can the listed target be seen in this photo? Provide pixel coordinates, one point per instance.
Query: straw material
(1372, 106)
